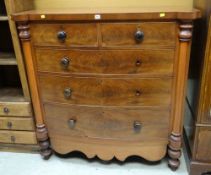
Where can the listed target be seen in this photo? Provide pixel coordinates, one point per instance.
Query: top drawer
(147, 34)
(75, 35)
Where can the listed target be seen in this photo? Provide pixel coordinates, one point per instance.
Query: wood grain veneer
(96, 106)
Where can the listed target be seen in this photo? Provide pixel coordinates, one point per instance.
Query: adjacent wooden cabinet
(108, 82)
(198, 111)
(17, 127)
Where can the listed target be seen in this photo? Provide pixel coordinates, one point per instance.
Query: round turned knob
(61, 35)
(67, 93)
(138, 93)
(71, 123)
(138, 63)
(9, 125)
(6, 110)
(65, 62)
(139, 36)
(137, 126)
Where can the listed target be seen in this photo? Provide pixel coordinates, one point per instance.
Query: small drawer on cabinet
(146, 34)
(128, 124)
(106, 91)
(62, 34)
(11, 123)
(145, 62)
(18, 137)
(21, 109)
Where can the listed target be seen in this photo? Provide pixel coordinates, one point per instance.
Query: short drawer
(21, 109)
(12, 123)
(146, 34)
(145, 62)
(127, 124)
(62, 34)
(106, 91)
(18, 137)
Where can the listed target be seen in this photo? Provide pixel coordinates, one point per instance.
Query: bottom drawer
(79, 127)
(12, 123)
(203, 144)
(19, 137)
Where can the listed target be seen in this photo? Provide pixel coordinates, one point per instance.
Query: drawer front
(145, 62)
(21, 109)
(11, 123)
(128, 124)
(203, 142)
(18, 137)
(150, 34)
(105, 91)
(64, 34)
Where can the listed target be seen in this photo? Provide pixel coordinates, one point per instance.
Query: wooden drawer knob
(9, 125)
(137, 126)
(71, 123)
(139, 36)
(67, 93)
(61, 35)
(6, 110)
(138, 93)
(65, 62)
(138, 63)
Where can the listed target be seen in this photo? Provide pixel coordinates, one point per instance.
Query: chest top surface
(107, 14)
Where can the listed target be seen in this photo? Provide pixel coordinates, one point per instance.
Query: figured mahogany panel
(64, 34)
(106, 91)
(108, 126)
(150, 34)
(107, 122)
(143, 62)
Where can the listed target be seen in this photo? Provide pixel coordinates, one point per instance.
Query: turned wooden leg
(174, 151)
(42, 137)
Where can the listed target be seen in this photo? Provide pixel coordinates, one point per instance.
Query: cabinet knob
(138, 93)
(138, 63)
(139, 36)
(61, 35)
(6, 110)
(65, 62)
(71, 123)
(137, 126)
(67, 93)
(9, 125)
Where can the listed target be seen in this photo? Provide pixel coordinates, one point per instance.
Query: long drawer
(12, 123)
(128, 124)
(106, 91)
(19, 137)
(144, 62)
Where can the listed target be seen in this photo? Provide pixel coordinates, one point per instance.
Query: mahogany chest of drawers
(108, 84)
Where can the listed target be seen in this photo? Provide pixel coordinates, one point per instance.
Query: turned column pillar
(41, 131)
(175, 139)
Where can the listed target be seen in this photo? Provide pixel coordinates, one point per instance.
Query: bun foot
(174, 151)
(42, 137)
(173, 164)
(46, 154)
